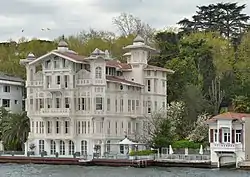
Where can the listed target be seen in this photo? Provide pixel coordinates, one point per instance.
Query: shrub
(186, 144)
(142, 153)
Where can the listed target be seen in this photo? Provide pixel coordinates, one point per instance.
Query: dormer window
(98, 72)
(56, 62)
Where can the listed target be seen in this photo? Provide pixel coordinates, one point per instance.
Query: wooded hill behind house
(210, 55)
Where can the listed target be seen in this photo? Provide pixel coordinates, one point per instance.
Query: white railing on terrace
(182, 157)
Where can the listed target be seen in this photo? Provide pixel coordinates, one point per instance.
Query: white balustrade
(55, 111)
(34, 83)
(83, 81)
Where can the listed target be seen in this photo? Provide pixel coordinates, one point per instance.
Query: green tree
(227, 18)
(241, 104)
(159, 130)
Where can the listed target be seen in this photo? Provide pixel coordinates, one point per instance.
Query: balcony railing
(55, 111)
(83, 82)
(59, 136)
(229, 147)
(54, 86)
(34, 83)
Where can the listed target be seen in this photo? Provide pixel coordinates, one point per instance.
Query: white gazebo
(126, 141)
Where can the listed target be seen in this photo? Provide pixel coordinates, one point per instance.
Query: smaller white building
(227, 138)
(11, 93)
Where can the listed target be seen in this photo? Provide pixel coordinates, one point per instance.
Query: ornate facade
(75, 103)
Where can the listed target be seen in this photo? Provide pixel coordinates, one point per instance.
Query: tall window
(58, 124)
(133, 105)
(66, 81)
(84, 127)
(155, 86)
(238, 136)
(62, 147)
(122, 149)
(48, 81)
(58, 103)
(108, 146)
(116, 105)
(52, 147)
(98, 72)
(226, 135)
(108, 129)
(129, 105)
(41, 146)
(66, 102)
(116, 128)
(84, 147)
(149, 106)
(71, 148)
(215, 135)
(149, 85)
(58, 80)
(137, 105)
(66, 126)
(98, 101)
(121, 105)
(108, 104)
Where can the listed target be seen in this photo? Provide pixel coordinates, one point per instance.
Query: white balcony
(226, 147)
(99, 112)
(54, 87)
(58, 112)
(81, 82)
(60, 136)
(34, 83)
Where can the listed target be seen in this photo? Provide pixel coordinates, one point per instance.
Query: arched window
(108, 146)
(84, 147)
(71, 148)
(52, 147)
(41, 146)
(62, 147)
(98, 72)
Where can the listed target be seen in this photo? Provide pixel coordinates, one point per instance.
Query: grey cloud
(72, 16)
(22, 7)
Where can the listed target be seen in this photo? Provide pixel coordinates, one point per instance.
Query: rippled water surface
(12, 170)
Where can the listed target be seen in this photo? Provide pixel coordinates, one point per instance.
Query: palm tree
(3, 114)
(15, 130)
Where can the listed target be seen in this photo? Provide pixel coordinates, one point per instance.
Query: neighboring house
(228, 142)
(76, 103)
(11, 93)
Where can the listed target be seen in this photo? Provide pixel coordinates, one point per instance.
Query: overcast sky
(72, 16)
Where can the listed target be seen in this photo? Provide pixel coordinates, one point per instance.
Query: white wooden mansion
(228, 138)
(75, 103)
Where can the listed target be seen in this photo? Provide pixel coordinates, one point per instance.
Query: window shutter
(211, 135)
(220, 135)
(233, 136)
(242, 136)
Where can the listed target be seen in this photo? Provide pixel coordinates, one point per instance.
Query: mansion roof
(229, 116)
(122, 81)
